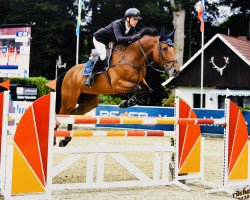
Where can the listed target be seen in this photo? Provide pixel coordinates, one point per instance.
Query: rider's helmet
(133, 12)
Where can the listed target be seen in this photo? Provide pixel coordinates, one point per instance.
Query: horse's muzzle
(173, 70)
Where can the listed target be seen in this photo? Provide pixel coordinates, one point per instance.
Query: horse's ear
(171, 35)
(162, 34)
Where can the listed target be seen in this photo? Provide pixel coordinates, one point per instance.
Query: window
(221, 102)
(238, 100)
(197, 100)
(246, 101)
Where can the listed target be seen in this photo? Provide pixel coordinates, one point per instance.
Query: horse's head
(164, 54)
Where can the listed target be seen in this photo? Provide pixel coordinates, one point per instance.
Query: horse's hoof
(63, 143)
(123, 104)
(137, 89)
(150, 91)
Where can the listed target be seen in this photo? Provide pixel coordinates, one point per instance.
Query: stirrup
(89, 81)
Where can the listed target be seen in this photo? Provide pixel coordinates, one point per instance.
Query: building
(226, 73)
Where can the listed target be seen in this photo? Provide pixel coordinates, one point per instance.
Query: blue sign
(213, 114)
(246, 114)
(8, 66)
(22, 33)
(4, 49)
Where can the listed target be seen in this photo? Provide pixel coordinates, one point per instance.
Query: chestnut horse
(125, 75)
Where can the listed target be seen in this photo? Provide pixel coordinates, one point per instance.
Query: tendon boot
(90, 79)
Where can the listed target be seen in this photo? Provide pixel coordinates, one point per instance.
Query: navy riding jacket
(115, 32)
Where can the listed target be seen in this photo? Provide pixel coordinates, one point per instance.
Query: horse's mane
(148, 31)
(145, 31)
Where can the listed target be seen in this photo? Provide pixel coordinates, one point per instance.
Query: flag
(79, 17)
(201, 14)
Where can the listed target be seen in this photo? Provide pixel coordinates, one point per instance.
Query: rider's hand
(136, 37)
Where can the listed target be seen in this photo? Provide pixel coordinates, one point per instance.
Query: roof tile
(243, 46)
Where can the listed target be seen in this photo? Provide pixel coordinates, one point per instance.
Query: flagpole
(77, 49)
(78, 31)
(201, 18)
(202, 68)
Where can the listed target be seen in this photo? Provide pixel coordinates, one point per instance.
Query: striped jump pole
(76, 119)
(113, 133)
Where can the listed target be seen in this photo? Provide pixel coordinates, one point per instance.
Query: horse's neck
(148, 44)
(144, 47)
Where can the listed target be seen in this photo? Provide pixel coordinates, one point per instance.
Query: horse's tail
(58, 91)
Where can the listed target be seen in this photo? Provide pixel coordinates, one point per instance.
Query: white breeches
(101, 48)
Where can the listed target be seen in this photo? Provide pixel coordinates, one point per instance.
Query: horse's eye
(165, 49)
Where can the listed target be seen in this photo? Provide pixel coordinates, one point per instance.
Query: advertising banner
(15, 51)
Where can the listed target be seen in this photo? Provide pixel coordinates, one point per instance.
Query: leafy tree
(53, 31)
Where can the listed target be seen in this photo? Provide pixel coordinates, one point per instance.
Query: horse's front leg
(121, 86)
(145, 88)
(143, 96)
(140, 92)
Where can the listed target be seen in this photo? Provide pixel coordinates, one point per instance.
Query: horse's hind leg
(68, 104)
(87, 102)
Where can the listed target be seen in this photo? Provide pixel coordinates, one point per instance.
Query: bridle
(161, 58)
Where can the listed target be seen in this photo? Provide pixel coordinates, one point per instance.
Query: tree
(237, 22)
(53, 31)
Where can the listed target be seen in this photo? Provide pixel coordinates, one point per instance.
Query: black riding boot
(90, 80)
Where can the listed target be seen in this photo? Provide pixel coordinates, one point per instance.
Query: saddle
(93, 57)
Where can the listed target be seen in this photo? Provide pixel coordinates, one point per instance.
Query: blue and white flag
(80, 6)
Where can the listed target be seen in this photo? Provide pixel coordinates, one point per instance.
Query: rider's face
(133, 21)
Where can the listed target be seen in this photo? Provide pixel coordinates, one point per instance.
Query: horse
(125, 74)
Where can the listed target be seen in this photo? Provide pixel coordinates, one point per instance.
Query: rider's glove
(136, 37)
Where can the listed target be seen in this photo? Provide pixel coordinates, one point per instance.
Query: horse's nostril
(176, 72)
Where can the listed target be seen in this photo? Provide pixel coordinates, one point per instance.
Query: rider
(120, 31)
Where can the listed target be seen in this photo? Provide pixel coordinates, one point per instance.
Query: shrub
(38, 82)
(169, 102)
(109, 99)
(246, 108)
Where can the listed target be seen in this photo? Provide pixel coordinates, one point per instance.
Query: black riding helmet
(132, 12)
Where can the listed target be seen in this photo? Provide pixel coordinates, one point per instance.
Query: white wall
(186, 93)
